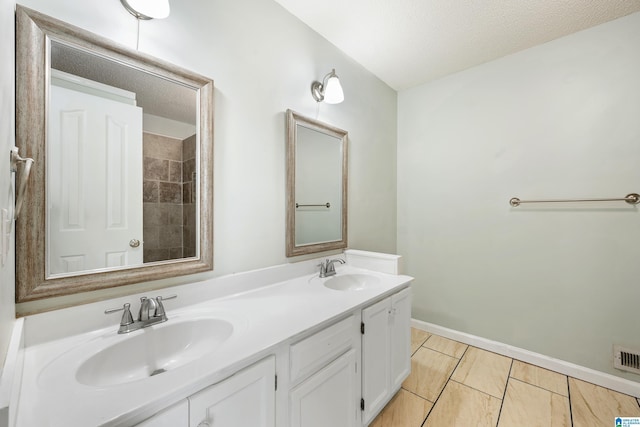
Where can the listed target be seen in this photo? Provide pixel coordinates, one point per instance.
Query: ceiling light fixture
(147, 9)
(329, 91)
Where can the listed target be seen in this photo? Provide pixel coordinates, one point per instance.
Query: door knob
(134, 243)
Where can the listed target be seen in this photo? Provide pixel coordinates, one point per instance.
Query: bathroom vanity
(287, 346)
(303, 351)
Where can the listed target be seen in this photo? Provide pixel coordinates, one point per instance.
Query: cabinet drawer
(312, 353)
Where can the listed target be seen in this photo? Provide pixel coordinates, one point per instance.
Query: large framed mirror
(316, 186)
(121, 190)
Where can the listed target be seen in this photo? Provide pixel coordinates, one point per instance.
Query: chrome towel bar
(326, 205)
(632, 199)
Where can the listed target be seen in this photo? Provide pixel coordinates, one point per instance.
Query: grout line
(438, 351)
(606, 388)
(445, 354)
(540, 367)
(570, 405)
(474, 389)
(420, 346)
(537, 386)
(504, 394)
(416, 394)
(425, 341)
(445, 385)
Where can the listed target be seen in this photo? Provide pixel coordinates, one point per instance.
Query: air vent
(626, 359)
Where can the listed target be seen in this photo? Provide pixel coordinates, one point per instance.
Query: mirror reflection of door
(121, 166)
(318, 187)
(94, 194)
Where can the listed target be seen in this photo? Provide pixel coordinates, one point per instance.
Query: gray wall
(560, 120)
(262, 61)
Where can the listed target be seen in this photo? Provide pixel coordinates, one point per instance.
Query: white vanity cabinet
(296, 357)
(247, 398)
(386, 350)
(324, 386)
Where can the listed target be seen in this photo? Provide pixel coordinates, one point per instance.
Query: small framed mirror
(316, 186)
(121, 190)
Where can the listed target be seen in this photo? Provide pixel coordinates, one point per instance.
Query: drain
(157, 371)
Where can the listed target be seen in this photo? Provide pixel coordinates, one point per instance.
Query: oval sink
(352, 282)
(153, 350)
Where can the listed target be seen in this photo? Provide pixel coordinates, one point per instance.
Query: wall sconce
(147, 9)
(329, 91)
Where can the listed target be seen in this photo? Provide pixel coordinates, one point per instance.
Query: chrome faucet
(328, 268)
(151, 312)
(147, 309)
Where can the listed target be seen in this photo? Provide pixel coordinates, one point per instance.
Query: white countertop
(263, 318)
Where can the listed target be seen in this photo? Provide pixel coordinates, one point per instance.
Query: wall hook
(21, 182)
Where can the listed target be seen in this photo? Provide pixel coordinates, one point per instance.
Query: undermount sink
(352, 282)
(120, 359)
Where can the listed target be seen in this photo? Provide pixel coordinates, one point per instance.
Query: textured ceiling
(156, 95)
(409, 42)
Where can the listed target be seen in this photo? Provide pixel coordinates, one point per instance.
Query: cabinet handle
(204, 424)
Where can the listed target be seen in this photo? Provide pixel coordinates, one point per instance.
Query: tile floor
(453, 384)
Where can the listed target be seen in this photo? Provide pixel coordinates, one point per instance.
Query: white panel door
(329, 398)
(247, 399)
(94, 182)
(400, 337)
(376, 351)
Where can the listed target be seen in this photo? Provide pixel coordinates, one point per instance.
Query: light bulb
(333, 93)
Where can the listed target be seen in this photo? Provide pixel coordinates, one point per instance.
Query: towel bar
(632, 199)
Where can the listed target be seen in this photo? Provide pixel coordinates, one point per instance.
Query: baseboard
(576, 371)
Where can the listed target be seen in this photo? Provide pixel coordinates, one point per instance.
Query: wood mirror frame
(34, 31)
(293, 120)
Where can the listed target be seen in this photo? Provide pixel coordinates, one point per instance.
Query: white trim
(376, 261)
(602, 379)
(167, 127)
(91, 87)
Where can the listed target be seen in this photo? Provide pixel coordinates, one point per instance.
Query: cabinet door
(376, 353)
(174, 416)
(329, 397)
(400, 337)
(245, 399)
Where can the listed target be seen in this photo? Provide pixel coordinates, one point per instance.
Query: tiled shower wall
(169, 222)
(188, 196)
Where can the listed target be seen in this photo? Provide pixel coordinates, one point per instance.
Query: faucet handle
(160, 312)
(127, 318)
(323, 267)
